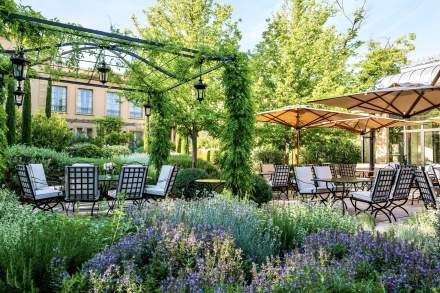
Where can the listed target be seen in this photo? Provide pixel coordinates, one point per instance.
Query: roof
(421, 73)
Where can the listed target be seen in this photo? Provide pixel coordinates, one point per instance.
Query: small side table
(207, 187)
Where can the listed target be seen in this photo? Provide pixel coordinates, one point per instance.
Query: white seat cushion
(155, 190)
(362, 195)
(304, 178)
(164, 176)
(112, 193)
(323, 172)
(82, 165)
(314, 190)
(38, 177)
(48, 192)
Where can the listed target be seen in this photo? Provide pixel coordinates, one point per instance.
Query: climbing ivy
(26, 133)
(10, 112)
(48, 109)
(237, 137)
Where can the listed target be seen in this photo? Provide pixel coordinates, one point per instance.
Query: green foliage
(237, 141)
(109, 131)
(184, 162)
(329, 146)
(86, 150)
(115, 150)
(3, 140)
(37, 248)
(26, 127)
(10, 112)
(297, 221)
(51, 132)
(48, 109)
(262, 192)
(270, 156)
(184, 185)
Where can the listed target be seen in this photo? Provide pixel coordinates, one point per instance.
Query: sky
(386, 19)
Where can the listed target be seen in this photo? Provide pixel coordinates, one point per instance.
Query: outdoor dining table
(207, 187)
(343, 185)
(106, 182)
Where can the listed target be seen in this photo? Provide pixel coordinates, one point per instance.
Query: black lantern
(103, 70)
(19, 66)
(200, 90)
(18, 95)
(147, 109)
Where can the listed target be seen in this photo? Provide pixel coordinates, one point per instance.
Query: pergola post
(372, 138)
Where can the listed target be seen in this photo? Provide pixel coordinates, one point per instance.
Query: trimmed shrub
(184, 184)
(52, 132)
(185, 162)
(262, 192)
(270, 156)
(86, 150)
(116, 150)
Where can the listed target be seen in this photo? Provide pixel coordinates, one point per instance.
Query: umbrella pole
(372, 138)
(298, 138)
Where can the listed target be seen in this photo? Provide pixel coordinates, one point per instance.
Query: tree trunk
(194, 134)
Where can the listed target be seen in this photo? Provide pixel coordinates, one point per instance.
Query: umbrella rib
(320, 118)
(375, 108)
(366, 102)
(415, 102)
(390, 104)
(276, 119)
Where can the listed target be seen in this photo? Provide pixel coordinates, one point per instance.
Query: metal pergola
(126, 49)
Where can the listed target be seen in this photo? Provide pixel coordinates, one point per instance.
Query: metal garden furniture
(378, 199)
(305, 184)
(280, 180)
(347, 170)
(164, 185)
(401, 189)
(131, 184)
(41, 196)
(426, 189)
(81, 185)
(208, 187)
(267, 171)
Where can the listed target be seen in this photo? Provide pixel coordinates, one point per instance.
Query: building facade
(82, 105)
(420, 144)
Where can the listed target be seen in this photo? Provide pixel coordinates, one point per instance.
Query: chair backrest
(426, 189)
(394, 165)
(267, 168)
(403, 183)
(436, 172)
(347, 170)
(37, 175)
(323, 172)
(132, 181)
(304, 178)
(281, 176)
(25, 182)
(170, 185)
(81, 183)
(382, 185)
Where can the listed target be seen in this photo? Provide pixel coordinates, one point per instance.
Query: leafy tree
(52, 133)
(109, 131)
(48, 109)
(10, 112)
(26, 132)
(380, 61)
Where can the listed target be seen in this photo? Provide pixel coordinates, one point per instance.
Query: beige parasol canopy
(404, 100)
(300, 117)
(365, 124)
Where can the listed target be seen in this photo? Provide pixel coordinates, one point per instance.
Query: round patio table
(207, 187)
(343, 185)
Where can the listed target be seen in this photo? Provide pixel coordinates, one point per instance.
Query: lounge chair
(41, 196)
(402, 189)
(280, 180)
(306, 185)
(378, 198)
(164, 185)
(81, 185)
(427, 191)
(131, 183)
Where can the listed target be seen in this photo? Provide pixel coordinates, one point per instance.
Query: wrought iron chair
(280, 180)
(164, 185)
(306, 185)
(131, 183)
(347, 170)
(81, 185)
(402, 189)
(378, 199)
(267, 171)
(41, 197)
(426, 189)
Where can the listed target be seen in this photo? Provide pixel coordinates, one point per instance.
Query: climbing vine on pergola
(71, 45)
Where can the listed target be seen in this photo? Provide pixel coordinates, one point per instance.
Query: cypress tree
(49, 99)
(10, 113)
(27, 115)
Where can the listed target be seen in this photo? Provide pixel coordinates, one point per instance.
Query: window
(135, 111)
(81, 132)
(113, 104)
(59, 99)
(84, 102)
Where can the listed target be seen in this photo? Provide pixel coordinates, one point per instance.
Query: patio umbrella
(300, 117)
(369, 124)
(404, 100)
